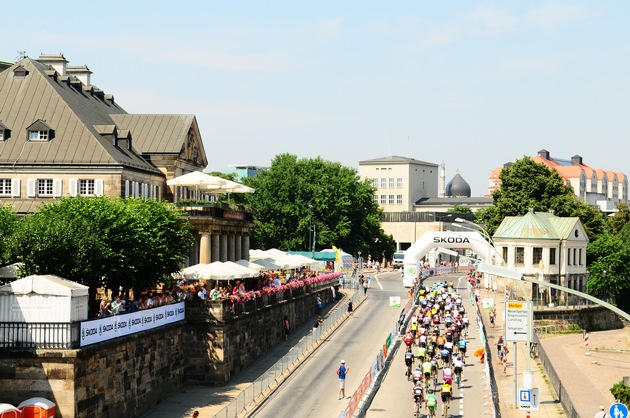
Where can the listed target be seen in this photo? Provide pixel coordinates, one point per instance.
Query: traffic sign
(528, 399)
(518, 319)
(618, 410)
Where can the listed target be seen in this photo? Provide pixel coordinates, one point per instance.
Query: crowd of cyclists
(436, 344)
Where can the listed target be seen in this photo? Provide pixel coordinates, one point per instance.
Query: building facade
(545, 247)
(60, 135)
(400, 181)
(598, 187)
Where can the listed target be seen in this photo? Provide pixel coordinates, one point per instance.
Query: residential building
(546, 247)
(60, 135)
(243, 170)
(598, 187)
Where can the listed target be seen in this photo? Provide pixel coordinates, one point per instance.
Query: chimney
(576, 160)
(56, 61)
(82, 72)
(544, 154)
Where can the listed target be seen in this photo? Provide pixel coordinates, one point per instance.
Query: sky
(471, 84)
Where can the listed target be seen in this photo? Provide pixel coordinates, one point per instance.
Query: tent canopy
(48, 284)
(318, 255)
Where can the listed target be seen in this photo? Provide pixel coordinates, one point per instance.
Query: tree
(527, 184)
(301, 201)
(621, 392)
(8, 223)
(104, 242)
(621, 218)
(608, 259)
(459, 209)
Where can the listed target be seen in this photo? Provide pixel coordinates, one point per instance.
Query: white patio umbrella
(271, 263)
(257, 254)
(198, 180)
(207, 272)
(250, 265)
(242, 269)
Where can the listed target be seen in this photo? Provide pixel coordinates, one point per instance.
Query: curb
(257, 403)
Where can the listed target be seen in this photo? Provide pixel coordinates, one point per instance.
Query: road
(312, 391)
(394, 395)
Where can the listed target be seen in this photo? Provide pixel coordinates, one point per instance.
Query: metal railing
(22, 335)
(274, 376)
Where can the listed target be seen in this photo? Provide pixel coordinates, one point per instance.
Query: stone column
(238, 252)
(215, 247)
(245, 246)
(231, 246)
(204, 248)
(223, 249)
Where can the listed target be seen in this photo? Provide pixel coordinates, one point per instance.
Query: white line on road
(378, 281)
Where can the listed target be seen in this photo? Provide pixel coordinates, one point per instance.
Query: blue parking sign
(618, 410)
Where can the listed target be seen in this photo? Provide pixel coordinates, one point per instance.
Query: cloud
(328, 29)
(553, 15)
(537, 65)
(494, 19)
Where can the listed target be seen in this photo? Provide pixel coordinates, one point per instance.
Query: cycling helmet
(430, 390)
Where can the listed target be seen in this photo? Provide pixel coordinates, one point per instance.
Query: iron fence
(39, 335)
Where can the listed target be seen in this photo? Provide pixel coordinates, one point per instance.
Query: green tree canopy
(104, 242)
(296, 197)
(527, 184)
(8, 224)
(620, 219)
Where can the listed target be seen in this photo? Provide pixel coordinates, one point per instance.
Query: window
(505, 253)
(552, 256)
(375, 198)
(5, 186)
(569, 256)
(399, 199)
(383, 199)
(580, 259)
(1, 134)
(391, 182)
(575, 260)
(38, 135)
(44, 187)
(391, 199)
(519, 255)
(86, 187)
(537, 255)
(383, 182)
(375, 183)
(399, 182)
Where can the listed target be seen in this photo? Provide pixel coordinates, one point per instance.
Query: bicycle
(458, 380)
(445, 408)
(408, 372)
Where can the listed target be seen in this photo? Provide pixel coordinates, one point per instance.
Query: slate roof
(451, 201)
(536, 225)
(71, 109)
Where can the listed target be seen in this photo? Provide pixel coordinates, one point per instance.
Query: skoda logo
(411, 271)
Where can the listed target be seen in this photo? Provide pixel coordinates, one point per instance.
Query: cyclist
(427, 370)
(434, 369)
(447, 374)
(445, 355)
(431, 403)
(417, 398)
(422, 353)
(408, 340)
(462, 349)
(458, 367)
(414, 329)
(408, 363)
(446, 393)
(416, 376)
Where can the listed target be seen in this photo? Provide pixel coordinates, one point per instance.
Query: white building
(543, 246)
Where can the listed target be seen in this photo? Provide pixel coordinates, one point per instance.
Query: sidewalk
(549, 405)
(209, 400)
(586, 378)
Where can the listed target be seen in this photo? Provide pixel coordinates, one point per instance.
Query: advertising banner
(104, 329)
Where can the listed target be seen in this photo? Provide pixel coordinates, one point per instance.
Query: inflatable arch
(447, 239)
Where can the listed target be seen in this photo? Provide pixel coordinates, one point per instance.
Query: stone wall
(128, 376)
(591, 318)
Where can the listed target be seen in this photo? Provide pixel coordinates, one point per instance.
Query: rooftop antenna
(21, 55)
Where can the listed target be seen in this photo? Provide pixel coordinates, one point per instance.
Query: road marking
(378, 281)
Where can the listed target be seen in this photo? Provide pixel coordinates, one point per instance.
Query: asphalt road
(394, 399)
(312, 391)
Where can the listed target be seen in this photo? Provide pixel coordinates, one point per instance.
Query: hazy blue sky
(473, 84)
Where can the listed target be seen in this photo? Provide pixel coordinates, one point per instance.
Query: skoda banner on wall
(104, 329)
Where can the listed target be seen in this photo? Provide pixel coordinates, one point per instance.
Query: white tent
(271, 263)
(206, 272)
(246, 271)
(257, 254)
(43, 298)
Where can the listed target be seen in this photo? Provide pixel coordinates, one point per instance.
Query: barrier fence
(274, 376)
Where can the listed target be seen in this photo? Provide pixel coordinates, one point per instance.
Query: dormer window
(3, 132)
(40, 131)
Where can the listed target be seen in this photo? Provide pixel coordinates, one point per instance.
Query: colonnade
(223, 246)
